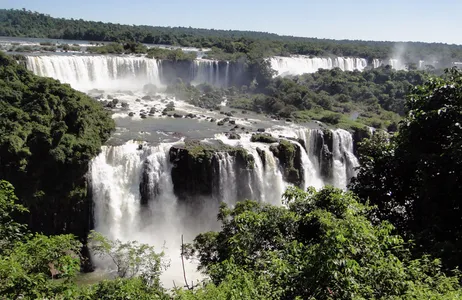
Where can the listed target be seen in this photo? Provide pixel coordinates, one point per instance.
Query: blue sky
(395, 20)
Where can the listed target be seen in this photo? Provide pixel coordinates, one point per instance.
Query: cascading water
(227, 182)
(134, 197)
(208, 71)
(97, 71)
(297, 65)
(344, 160)
(116, 176)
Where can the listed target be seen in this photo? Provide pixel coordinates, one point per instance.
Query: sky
(380, 20)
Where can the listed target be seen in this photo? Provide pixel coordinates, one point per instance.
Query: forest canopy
(230, 43)
(48, 134)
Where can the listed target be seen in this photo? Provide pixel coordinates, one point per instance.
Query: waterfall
(97, 71)
(208, 71)
(116, 174)
(300, 64)
(344, 160)
(133, 190)
(227, 181)
(267, 184)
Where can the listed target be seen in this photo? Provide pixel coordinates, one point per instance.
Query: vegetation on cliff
(374, 97)
(196, 167)
(48, 134)
(414, 177)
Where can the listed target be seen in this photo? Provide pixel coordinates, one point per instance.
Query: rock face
(289, 156)
(359, 134)
(196, 167)
(149, 188)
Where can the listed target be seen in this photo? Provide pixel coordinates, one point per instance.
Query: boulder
(263, 138)
(234, 136)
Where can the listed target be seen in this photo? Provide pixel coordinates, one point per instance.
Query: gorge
(161, 177)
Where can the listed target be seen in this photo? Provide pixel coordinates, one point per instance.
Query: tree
(27, 263)
(321, 246)
(48, 134)
(131, 259)
(10, 230)
(416, 175)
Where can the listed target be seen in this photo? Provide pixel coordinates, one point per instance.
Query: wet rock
(196, 166)
(147, 97)
(262, 155)
(234, 136)
(261, 130)
(191, 116)
(232, 122)
(131, 114)
(289, 156)
(111, 105)
(221, 123)
(138, 100)
(152, 110)
(177, 115)
(125, 105)
(228, 114)
(244, 111)
(143, 116)
(263, 138)
(109, 97)
(213, 120)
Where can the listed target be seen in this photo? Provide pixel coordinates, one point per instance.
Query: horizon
(434, 24)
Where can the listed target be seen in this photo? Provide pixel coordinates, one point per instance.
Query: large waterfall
(296, 65)
(97, 71)
(108, 72)
(134, 198)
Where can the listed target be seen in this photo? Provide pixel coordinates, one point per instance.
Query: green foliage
(10, 230)
(131, 258)
(173, 55)
(321, 246)
(48, 134)
(123, 288)
(414, 178)
(225, 44)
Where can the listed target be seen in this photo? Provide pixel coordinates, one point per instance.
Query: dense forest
(225, 43)
(48, 134)
(395, 235)
(374, 97)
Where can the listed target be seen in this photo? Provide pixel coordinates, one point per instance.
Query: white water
(208, 71)
(227, 181)
(344, 160)
(115, 182)
(97, 71)
(297, 65)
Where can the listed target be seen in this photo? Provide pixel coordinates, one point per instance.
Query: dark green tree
(414, 178)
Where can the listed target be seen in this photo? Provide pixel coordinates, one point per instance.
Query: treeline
(375, 97)
(22, 23)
